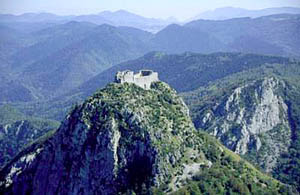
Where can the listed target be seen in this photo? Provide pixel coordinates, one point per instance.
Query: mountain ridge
(117, 18)
(74, 52)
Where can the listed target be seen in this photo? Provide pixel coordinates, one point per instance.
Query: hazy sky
(181, 9)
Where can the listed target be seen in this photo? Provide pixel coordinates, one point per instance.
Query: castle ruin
(143, 79)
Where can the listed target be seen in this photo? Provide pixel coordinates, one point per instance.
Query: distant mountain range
(117, 18)
(79, 56)
(225, 13)
(56, 59)
(125, 18)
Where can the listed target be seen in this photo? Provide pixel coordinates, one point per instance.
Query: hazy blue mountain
(92, 18)
(233, 12)
(57, 59)
(15, 37)
(44, 43)
(178, 39)
(14, 91)
(54, 60)
(265, 35)
(33, 17)
(117, 18)
(125, 18)
(70, 65)
(49, 41)
(11, 40)
(65, 29)
(29, 27)
(121, 16)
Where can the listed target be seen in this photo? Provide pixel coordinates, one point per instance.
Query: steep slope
(125, 139)
(9, 114)
(18, 130)
(255, 113)
(70, 66)
(250, 113)
(61, 57)
(17, 135)
(11, 41)
(268, 34)
(178, 39)
(13, 90)
(49, 41)
(272, 35)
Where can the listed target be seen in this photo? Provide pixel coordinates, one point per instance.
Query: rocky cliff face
(252, 120)
(125, 139)
(16, 135)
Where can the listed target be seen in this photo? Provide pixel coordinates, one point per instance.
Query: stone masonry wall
(143, 79)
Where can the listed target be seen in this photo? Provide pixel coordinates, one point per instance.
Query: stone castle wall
(143, 79)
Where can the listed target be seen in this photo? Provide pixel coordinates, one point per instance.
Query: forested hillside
(51, 60)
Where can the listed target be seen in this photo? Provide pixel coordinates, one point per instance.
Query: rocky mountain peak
(122, 138)
(253, 117)
(125, 139)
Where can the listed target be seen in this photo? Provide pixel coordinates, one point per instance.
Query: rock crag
(125, 139)
(253, 118)
(120, 139)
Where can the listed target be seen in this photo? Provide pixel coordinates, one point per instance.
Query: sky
(181, 9)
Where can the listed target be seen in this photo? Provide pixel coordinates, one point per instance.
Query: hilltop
(130, 140)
